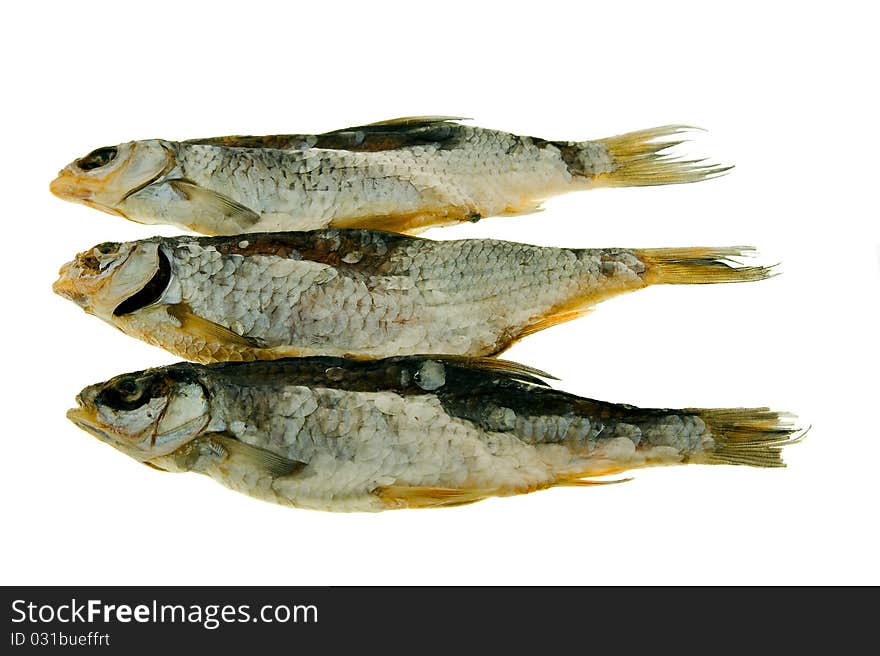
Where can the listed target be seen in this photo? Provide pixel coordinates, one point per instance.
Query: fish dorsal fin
(209, 330)
(390, 134)
(505, 368)
(230, 212)
(276, 141)
(261, 459)
(410, 121)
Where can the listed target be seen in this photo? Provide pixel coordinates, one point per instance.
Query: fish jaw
(66, 286)
(77, 189)
(99, 286)
(85, 415)
(85, 418)
(65, 187)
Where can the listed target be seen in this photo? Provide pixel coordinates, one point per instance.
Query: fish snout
(65, 186)
(84, 417)
(85, 402)
(79, 416)
(85, 397)
(66, 286)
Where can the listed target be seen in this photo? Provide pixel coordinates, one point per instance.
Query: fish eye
(126, 394)
(97, 158)
(106, 248)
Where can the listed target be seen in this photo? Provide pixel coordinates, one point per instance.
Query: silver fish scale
(376, 435)
(483, 172)
(443, 297)
(353, 442)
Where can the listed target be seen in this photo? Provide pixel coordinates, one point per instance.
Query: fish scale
(340, 291)
(402, 175)
(338, 434)
(270, 295)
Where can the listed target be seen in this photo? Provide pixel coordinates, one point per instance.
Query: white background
(787, 94)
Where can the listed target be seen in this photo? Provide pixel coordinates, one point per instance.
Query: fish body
(344, 435)
(360, 293)
(402, 175)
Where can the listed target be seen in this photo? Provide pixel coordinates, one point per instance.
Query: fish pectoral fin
(234, 214)
(208, 330)
(261, 459)
(411, 496)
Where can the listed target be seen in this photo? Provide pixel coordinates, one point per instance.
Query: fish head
(105, 177)
(101, 279)
(146, 414)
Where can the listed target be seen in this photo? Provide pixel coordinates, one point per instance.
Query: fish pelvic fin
(407, 496)
(700, 265)
(748, 436)
(409, 223)
(638, 159)
(209, 331)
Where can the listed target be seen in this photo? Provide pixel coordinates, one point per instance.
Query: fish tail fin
(699, 266)
(639, 159)
(747, 436)
(614, 271)
(637, 437)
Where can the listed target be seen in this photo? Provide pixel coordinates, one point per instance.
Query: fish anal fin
(588, 476)
(548, 320)
(234, 217)
(529, 207)
(407, 496)
(208, 330)
(587, 482)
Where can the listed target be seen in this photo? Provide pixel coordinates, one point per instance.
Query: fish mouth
(103, 208)
(85, 419)
(67, 186)
(82, 290)
(66, 287)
